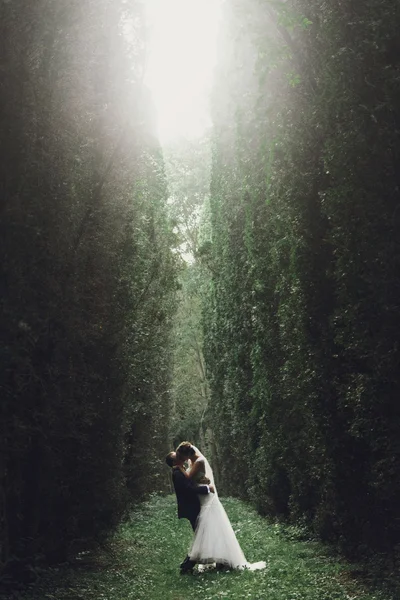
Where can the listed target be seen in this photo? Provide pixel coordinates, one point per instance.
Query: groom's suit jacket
(187, 496)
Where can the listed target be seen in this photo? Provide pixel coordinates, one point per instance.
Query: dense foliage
(302, 318)
(188, 164)
(87, 275)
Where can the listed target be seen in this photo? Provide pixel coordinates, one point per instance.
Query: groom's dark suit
(187, 496)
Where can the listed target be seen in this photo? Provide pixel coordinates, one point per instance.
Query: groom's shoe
(187, 559)
(187, 566)
(186, 562)
(186, 571)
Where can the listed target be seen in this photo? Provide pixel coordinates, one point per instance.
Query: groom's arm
(182, 483)
(202, 489)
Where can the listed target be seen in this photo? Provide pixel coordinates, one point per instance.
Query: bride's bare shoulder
(198, 463)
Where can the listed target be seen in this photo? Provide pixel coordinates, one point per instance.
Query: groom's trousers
(188, 564)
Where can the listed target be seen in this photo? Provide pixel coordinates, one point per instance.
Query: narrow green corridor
(142, 563)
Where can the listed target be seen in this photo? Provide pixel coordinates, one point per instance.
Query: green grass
(142, 563)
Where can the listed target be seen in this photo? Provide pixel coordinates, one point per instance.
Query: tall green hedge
(87, 276)
(302, 320)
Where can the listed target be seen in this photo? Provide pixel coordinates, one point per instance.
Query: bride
(214, 539)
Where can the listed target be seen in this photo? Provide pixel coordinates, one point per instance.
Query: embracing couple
(214, 539)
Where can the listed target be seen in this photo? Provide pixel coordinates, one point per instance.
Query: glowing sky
(182, 55)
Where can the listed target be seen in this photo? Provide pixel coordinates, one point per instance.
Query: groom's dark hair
(169, 459)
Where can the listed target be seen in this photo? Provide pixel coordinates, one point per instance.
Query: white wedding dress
(214, 539)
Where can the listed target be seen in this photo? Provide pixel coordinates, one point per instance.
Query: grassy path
(142, 562)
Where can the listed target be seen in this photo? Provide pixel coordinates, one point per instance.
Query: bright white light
(182, 56)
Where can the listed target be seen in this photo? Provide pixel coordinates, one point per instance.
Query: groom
(187, 497)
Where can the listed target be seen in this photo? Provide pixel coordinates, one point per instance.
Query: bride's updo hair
(186, 449)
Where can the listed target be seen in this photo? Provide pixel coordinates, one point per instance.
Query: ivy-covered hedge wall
(302, 320)
(87, 276)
